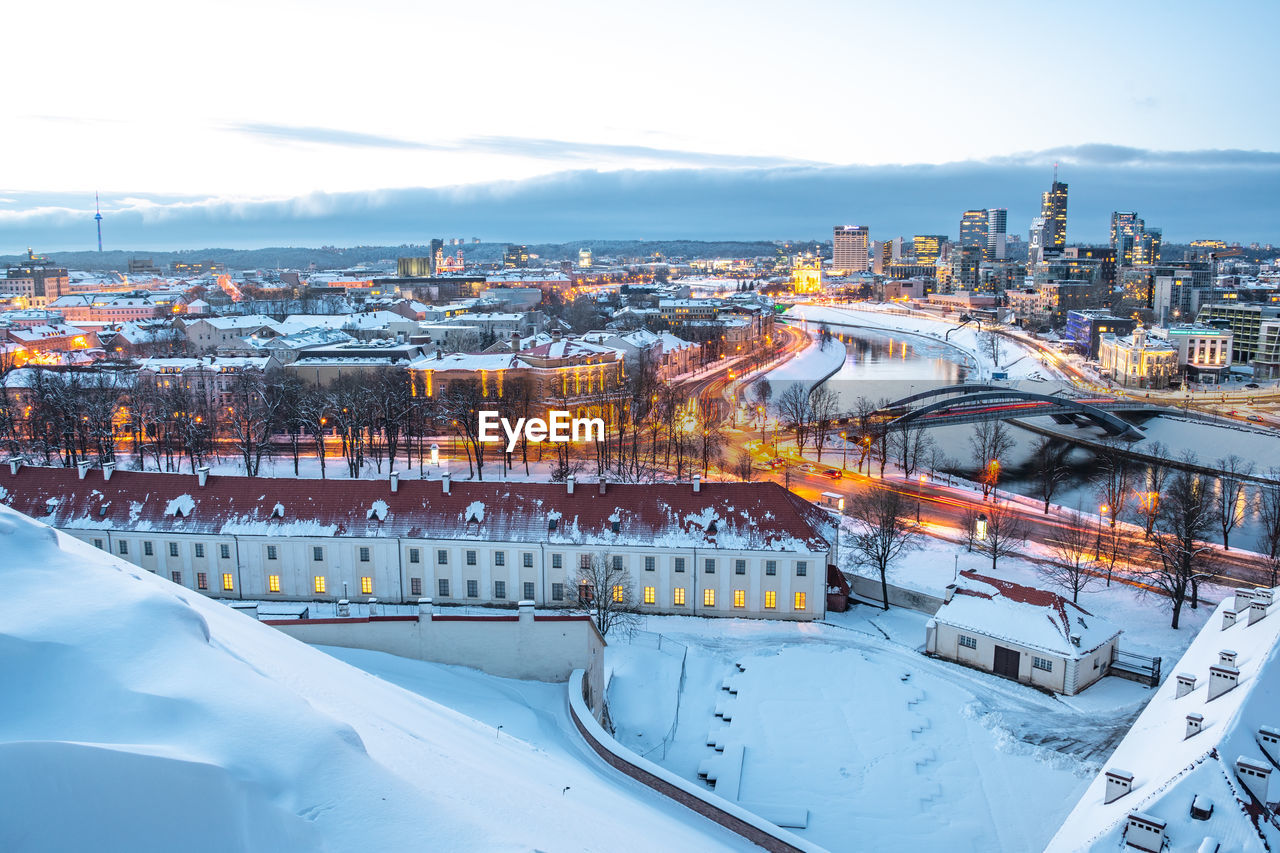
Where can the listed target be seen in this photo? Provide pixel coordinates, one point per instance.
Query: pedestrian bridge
(957, 404)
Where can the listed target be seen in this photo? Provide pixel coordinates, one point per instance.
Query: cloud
(510, 146)
(1225, 196)
(1098, 154)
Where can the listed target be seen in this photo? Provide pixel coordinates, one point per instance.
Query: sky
(245, 124)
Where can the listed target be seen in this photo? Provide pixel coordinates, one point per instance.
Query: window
(650, 595)
(528, 590)
(800, 601)
(770, 600)
(200, 550)
(557, 592)
(415, 555)
(415, 586)
(679, 564)
(557, 561)
(499, 589)
(584, 593)
(618, 593)
(317, 554)
(678, 596)
(319, 584)
(584, 561)
(617, 564)
(228, 583)
(364, 555)
(615, 526)
(650, 564)
(443, 585)
(739, 598)
(272, 553)
(770, 567)
(499, 558)
(148, 549)
(176, 577)
(202, 580)
(968, 642)
(366, 586)
(473, 589)
(526, 559)
(709, 597)
(471, 558)
(97, 543)
(1042, 663)
(709, 566)
(173, 549)
(442, 557)
(224, 551)
(124, 547)
(802, 568)
(273, 583)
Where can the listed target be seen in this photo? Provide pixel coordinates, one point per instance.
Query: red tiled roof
(1056, 604)
(762, 516)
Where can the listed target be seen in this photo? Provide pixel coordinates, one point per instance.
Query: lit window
(499, 589)
(617, 592)
(364, 555)
(124, 547)
(650, 595)
(770, 600)
(473, 589)
(740, 567)
(225, 551)
(200, 550)
(739, 598)
(176, 577)
(679, 596)
(319, 584)
(202, 580)
(366, 586)
(528, 590)
(709, 597)
(443, 585)
(802, 568)
(148, 549)
(272, 553)
(800, 600)
(679, 564)
(317, 554)
(415, 586)
(968, 642)
(650, 564)
(273, 583)
(584, 593)
(1042, 663)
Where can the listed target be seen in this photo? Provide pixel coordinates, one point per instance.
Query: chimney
(1075, 640)
(1119, 783)
(569, 481)
(15, 462)
(1222, 679)
(1227, 657)
(1195, 722)
(604, 485)
(424, 610)
(697, 483)
(1263, 595)
(1228, 619)
(439, 353)
(1201, 809)
(1257, 610)
(373, 607)
(1254, 774)
(395, 482)
(1244, 598)
(203, 474)
(1269, 740)
(555, 334)
(515, 342)
(82, 467)
(444, 481)
(344, 607)
(1145, 832)
(1186, 683)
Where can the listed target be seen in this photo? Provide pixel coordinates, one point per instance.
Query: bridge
(969, 403)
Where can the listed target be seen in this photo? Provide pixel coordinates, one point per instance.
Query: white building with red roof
(1029, 635)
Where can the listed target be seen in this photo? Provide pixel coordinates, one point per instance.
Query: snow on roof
(758, 516)
(1025, 615)
(1171, 769)
(246, 321)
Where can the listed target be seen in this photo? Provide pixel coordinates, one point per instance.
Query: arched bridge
(970, 403)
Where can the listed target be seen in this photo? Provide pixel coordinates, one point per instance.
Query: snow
(182, 506)
(475, 512)
(378, 509)
(814, 364)
(160, 720)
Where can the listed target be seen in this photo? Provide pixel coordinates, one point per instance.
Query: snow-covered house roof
(1171, 768)
(756, 516)
(1036, 618)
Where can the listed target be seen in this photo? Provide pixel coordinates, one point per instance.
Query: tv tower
(98, 216)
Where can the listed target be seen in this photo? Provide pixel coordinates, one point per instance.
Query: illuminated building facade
(1138, 361)
(1053, 210)
(928, 247)
(515, 257)
(851, 248)
(973, 228)
(1204, 352)
(36, 281)
(997, 228)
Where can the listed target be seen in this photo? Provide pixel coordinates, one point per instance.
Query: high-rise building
(1053, 209)
(927, 247)
(584, 258)
(1125, 229)
(515, 257)
(897, 249)
(965, 261)
(997, 226)
(436, 254)
(973, 228)
(850, 246)
(1146, 247)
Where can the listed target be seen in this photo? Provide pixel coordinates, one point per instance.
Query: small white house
(1022, 633)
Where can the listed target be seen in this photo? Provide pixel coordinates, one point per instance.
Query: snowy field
(812, 365)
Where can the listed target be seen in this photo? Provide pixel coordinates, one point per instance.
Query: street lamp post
(1098, 547)
(844, 452)
(979, 528)
(920, 495)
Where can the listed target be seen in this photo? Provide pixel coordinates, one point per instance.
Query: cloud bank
(1192, 194)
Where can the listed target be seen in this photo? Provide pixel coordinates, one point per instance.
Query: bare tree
(1114, 479)
(823, 408)
(1234, 471)
(991, 345)
(882, 532)
(1157, 474)
(1049, 468)
(762, 394)
(1269, 515)
(1073, 566)
(1182, 556)
(909, 444)
(991, 442)
(793, 408)
(744, 466)
(606, 592)
(1006, 532)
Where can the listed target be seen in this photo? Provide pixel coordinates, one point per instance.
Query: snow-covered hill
(136, 715)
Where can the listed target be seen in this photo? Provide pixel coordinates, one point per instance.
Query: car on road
(1252, 385)
(833, 473)
(778, 462)
(1257, 418)
(808, 468)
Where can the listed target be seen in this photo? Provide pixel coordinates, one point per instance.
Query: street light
(920, 495)
(1098, 548)
(980, 527)
(844, 452)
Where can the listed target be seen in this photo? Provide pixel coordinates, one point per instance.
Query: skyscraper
(1125, 229)
(997, 226)
(850, 246)
(1053, 209)
(973, 228)
(927, 247)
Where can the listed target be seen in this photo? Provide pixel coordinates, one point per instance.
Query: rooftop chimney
(604, 485)
(344, 607)
(1257, 610)
(1243, 599)
(1227, 657)
(515, 342)
(108, 468)
(15, 462)
(1269, 740)
(1254, 774)
(1201, 808)
(444, 481)
(1145, 832)
(203, 474)
(1186, 683)
(697, 483)
(1222, 679)
(82, 467)
(439, 353)
(570, 481)
(373, 607)
(1228, 619)
(395, 482)
(1119, 783)
(1195, 722)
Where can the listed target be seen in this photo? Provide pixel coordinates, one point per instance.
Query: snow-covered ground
(138, 716)
(812, 365)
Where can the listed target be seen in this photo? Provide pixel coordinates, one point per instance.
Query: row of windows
(968, 642)
(148, 549)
